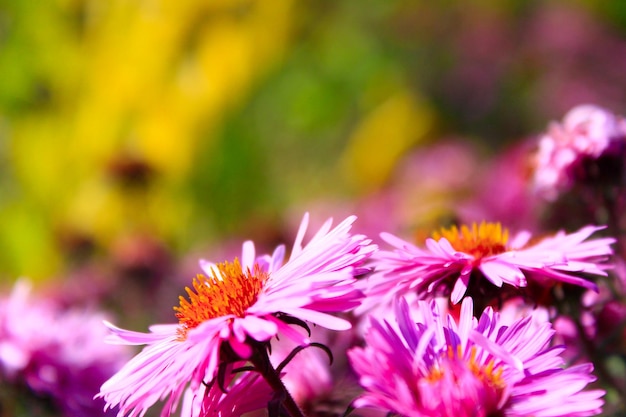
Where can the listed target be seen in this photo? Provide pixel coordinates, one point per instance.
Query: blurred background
(135, 135)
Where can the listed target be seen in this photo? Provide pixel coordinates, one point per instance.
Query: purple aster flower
(58, 354)
(434, 366)
(464, 260)
(234, 305)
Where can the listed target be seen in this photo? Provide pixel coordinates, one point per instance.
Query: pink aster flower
(232, 306)
(434, 366)
(587, 132)
(476, 260)
(58, 354)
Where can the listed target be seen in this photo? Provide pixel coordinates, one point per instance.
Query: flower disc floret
(229, 291)
(480, 241)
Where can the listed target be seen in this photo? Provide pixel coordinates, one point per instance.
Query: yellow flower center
(229, 291)
(481, 240)
(488, 373)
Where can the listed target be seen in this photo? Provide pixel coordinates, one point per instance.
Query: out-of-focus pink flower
(479, 368)
(455, 261)
(58, 353)
(598, 327)
(517, 308)
(586, 131)
(610, 327)
(234, 303)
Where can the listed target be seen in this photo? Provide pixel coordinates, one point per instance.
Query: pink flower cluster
(424, 363)
(458, 322)
(58, 354)
(587, 131)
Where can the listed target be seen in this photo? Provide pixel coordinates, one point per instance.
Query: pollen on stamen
(229, 291)
(479, 241)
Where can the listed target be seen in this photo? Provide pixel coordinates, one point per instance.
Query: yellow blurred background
(189, 121)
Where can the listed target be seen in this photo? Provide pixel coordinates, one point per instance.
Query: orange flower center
(228, 291)
(481, 240)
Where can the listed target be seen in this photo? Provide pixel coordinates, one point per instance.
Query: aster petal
(209, 268)
(404, 317)
(520, 240)
(323, 319)
(499, 271)
(538, 274)
(293, 333)
(129, 337)
(248, 255)
(460, 287)
(297, 245)
(442, 246)
(258, 328)
(240, 347)
(277, 258)
(496, 350)
(398, 242)
(466, 321)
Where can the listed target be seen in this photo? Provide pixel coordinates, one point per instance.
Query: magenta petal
(460, 287)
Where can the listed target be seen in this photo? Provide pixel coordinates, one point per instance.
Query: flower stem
(261, 361)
